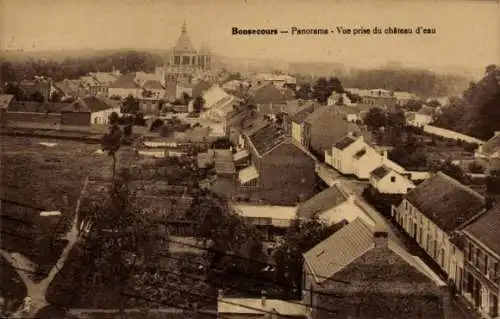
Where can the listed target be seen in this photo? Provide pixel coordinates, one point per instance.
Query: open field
(35, 177)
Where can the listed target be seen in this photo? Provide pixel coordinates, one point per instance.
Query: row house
(324, 127)
(298, 122)
(433, 212)
(481, 284)
(271, 154)
(359, 272)
(351, 155)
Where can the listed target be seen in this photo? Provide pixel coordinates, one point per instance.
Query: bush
(156, 124)
(476, 168)
(470, 147)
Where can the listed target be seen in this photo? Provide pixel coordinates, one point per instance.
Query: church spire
(184, 27)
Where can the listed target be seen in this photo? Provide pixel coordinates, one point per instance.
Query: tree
(111, 143)
(122, 238)
(375, 118)
(130, 105)
(156, 124)
(127, 130)
(433, 103)
(114, 118)
(37, 97)
(491, 68)
(414, 105)
(55, 97)
(301, 237)
(233, 243)
(320, 90)
(304, 92)
(334, 85)
(476, 168)
(139, 119)
(451, 170)
(198, 104)
(185, 98)
(15, 90)
(161, 103)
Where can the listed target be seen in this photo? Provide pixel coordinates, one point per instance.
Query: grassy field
(35, 177)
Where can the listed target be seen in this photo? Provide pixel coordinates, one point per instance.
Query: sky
(467, 32)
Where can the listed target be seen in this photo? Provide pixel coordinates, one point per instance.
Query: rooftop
(380, 172)
(87, 104)
(446, 201)
(5, 100)
(485, 229)
(267, 138)
(254, 306)
(184, 44)
(328, 198)
(349, 255)
(126, 81)
(344, 142)
(492, 145)
(153, 85)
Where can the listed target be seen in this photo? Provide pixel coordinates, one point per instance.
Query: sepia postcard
(249, 159)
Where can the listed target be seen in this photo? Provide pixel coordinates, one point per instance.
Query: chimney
(381, 238)
(263, 298)
(350, 134)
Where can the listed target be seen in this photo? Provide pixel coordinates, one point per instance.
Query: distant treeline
(421, 82)
(17, 69)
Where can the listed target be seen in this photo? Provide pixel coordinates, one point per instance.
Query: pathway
(37, 291)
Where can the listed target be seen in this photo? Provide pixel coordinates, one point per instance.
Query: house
(481, 284)
(125, 86)
(333, 205)
(70, 89)
(402, 97)
(433, 212)
(383, 101)
(388, 181)
(324, 127)
(424, 116)
(282, 171)
(267, 94)
(279, 80)
(272, 221)
(88, 110)
(354, 113)
(42, 86)
(489, 153)
(5, 102)
(298, 121)
(342, 152)
(361, 273)
(339, 99)
(259, 308)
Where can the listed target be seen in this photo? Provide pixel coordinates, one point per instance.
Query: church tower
(184, 62)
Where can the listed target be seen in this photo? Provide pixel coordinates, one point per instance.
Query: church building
(184, 62)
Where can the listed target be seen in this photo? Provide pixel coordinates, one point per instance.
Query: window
(485, 264)
(493, 305)
(393, 179)
(479, 258)
(406, 205)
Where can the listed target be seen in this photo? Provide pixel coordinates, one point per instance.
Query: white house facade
(387, 181)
